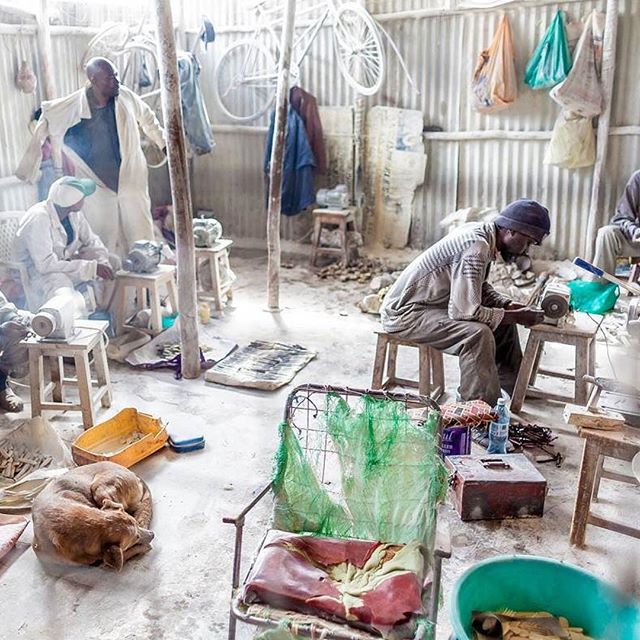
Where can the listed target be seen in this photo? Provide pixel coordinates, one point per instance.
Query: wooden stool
(431, 366)
(331, 218)
(143, 283)
(621, 445)
(88, 339)
(634, 274)
(216, 258)
(581, 335)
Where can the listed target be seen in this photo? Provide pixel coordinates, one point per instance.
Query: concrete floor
(180, 589)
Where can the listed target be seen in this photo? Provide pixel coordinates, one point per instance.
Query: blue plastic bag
(551, 61)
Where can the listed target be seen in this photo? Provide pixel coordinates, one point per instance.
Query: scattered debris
(528, 436)
(361, 270)
(16, 461)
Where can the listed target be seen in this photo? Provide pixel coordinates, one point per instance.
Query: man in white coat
(58, 247)
(99, 128)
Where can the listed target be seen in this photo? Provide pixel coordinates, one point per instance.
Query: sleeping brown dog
(95, 514)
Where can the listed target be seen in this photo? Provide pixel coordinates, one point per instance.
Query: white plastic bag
(573, 142)
(581, 92)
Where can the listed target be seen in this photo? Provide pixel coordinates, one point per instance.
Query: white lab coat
(119, 219)
(41, 245)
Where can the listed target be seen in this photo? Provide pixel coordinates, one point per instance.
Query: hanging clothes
(197, 125)
(307, 108)
(298, 191)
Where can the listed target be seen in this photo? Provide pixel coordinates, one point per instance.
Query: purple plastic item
(456, 441)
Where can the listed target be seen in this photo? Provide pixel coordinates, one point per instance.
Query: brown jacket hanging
(307, 108)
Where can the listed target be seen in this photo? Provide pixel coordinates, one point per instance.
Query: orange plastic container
(126, 438)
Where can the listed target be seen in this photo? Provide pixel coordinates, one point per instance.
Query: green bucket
(529, 583)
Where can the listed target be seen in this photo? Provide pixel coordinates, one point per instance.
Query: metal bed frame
(303, 411)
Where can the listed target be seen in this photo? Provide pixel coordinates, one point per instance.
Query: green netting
(390, 469)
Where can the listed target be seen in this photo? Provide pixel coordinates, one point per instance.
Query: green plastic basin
(529, 583)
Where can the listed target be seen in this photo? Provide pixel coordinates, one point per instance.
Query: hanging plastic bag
(573, 142)
(551, 61)
(494, 84)
(581, 91)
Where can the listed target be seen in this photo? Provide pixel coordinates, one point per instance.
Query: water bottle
(499, 429)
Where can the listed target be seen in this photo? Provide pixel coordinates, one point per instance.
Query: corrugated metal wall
(440, 47)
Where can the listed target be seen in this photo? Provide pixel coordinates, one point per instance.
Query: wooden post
(180, 189)
(276, 161)
(44, 47)
(607, 77)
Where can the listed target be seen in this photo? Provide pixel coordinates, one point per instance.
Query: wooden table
(146, 284)
(582, 335)
(88, 339)
(621, 445)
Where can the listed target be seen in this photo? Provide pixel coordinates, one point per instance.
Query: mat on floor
(261, 365)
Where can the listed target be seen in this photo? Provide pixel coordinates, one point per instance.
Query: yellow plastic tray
(126, 438)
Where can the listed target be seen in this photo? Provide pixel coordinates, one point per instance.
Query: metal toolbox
(492, 487)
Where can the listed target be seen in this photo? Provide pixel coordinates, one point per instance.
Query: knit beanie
(526, 216)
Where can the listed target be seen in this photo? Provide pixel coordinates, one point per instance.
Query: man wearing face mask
(98, 127)
(59, 249)
(443, 299)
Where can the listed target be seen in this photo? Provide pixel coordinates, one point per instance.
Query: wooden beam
(607, 77)
(180, 189)
(46, 56)
(276, 162)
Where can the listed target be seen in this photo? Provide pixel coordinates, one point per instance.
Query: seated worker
(621, 238)
(14, 326)
(56, 244)
(443, 299)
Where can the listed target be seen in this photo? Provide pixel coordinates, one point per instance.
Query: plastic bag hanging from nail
(494, 84)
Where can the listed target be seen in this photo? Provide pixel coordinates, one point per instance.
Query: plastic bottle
(499, 430)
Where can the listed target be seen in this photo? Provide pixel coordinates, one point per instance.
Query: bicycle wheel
(245, 81)
(108, 43)
(138, 67)
(359, 48)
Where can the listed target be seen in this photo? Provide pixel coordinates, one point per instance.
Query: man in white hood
(99, 128)
(57, 245)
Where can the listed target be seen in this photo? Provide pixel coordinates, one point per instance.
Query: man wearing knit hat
(57, 246)
(443, 299)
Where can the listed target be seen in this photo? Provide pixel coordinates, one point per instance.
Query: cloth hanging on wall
(306, 106)
(298, 190)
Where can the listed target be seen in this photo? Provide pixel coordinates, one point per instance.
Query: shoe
(10, 402)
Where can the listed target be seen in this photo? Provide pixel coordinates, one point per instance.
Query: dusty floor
(181, 589)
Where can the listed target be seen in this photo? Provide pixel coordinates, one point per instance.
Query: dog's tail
(145, 509)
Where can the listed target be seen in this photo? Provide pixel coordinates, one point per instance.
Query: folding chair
(305, 412)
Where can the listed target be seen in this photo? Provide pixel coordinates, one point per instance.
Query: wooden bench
(582, 336)
(88, 340)
(430, 381)
(599, 444)
(147, 287)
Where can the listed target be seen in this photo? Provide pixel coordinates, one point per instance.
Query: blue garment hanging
(298, 190)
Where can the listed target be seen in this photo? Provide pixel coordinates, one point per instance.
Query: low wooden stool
(89, 339)
(634, 274)
(165, 275)
(621, 444)
(581, 335)
(431, 366)
(331, 218)
(216, 258)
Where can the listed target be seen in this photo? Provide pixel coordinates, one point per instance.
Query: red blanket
(369, 584)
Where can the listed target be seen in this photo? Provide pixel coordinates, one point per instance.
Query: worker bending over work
(443, 299)
(59, 249)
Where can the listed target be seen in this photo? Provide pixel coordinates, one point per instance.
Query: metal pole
(607, 77)
(180, 189)
(277, 155)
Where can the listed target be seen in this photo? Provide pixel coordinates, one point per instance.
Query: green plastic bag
(593, 297)
(551, 61)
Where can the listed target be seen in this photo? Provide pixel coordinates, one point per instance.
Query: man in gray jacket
(443, 299)
(621, 238)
